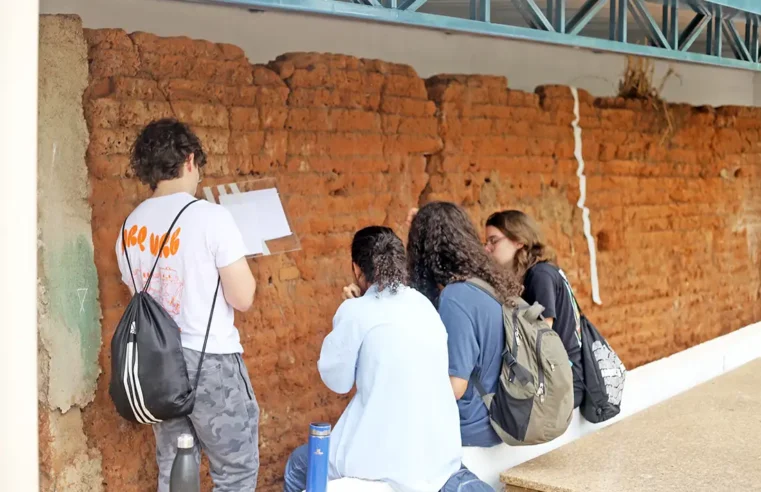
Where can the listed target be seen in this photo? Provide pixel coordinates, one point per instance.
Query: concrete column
(19, 23)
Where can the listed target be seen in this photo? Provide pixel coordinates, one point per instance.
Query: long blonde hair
(520, 228)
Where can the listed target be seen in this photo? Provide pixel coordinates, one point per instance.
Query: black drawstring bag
(149, 378)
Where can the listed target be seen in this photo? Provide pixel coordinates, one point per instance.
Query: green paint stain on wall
(73, 291)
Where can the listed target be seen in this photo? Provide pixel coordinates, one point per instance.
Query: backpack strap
(484, 286)
(570, 290)
(163, 243)
(516, 370)
(206, 338)
(126, 253)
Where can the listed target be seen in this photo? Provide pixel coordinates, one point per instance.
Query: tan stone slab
(706, 439)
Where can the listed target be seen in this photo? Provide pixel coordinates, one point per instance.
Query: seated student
(443, 251)
(401, 426)
(514, 240)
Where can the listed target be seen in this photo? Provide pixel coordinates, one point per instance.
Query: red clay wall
(355, 142)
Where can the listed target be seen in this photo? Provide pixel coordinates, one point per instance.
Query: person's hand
(351, 292)
(411, 215)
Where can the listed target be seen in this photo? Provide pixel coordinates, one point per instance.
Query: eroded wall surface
(68, 309)
(673, 193)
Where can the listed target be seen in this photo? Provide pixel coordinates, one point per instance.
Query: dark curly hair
(379, 253)
(444, 248)
(161, 149)
(520, 228)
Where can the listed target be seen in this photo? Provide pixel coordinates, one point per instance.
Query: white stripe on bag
(139, 392)
(128, 384)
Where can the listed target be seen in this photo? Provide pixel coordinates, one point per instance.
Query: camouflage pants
(224, 422)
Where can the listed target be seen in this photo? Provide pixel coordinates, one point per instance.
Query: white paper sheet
(271, 216)
(244, 215)
(259, 215)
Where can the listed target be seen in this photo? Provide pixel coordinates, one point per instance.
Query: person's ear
(190, 162)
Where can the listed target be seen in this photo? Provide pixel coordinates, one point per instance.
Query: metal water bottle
(319, 450)
(185, 475)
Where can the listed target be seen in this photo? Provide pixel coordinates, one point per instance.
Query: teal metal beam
(533, 15)
(693, 30)
(585, 14)
(708, 12)
(670, 20)
(749, 6)
(751, 37)
(642, 15)
(736, 42)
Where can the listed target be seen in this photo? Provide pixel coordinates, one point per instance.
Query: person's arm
(340, 350)
(459, 386)
(462, 344)
(238, 284)
(226, 244)
(121, 261)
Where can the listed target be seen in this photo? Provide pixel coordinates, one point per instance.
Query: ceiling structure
(714, 32)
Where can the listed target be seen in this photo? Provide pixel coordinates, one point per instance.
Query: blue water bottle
(319, 450)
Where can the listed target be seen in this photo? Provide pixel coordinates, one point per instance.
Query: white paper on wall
(259, 215)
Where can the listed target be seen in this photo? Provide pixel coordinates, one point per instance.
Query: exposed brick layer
(352, 142)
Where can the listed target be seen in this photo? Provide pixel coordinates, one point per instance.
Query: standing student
(205, 245)
(401, 426)
(514, 240)
(444, 250)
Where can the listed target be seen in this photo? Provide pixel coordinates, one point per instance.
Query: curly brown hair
(520, 228)
(379, 254)
(162, 148)
(444, 248)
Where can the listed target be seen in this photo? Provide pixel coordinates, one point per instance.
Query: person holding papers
(202, 247)
(402, 426)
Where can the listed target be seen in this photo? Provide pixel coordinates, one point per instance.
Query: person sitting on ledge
(402, 425)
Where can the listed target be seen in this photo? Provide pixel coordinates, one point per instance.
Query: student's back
(473, 321)
(402, 424)
(204, 239)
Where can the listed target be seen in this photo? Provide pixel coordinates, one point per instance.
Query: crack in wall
(587, 224)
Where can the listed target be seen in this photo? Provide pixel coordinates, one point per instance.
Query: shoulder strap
(570, 291)
(484, 286)
(126, 253)
(163, 243)
(206, 338)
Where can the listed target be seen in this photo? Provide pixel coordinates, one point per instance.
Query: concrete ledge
(702, 440)
(645, 386)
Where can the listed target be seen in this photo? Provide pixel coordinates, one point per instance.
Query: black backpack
(149, 378)
(604, 373)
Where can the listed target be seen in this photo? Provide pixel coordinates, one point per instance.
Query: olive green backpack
(534, 398)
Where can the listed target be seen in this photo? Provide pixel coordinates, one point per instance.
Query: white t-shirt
(204, 239)
(402, 426)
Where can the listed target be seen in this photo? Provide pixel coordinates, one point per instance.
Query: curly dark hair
(444, 248)
(161, 149)
(379, 253)
(520, 228)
